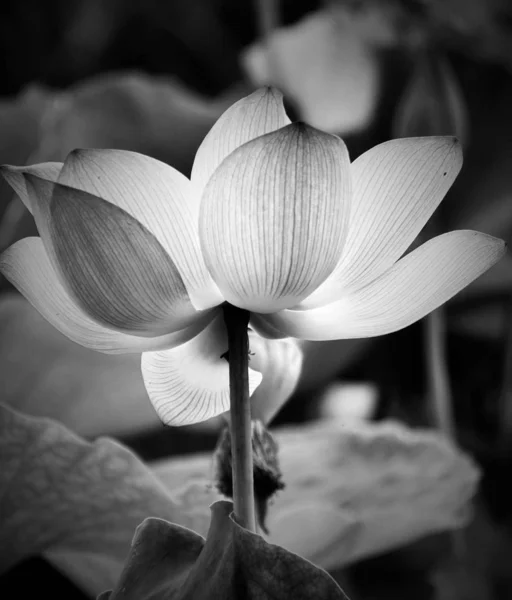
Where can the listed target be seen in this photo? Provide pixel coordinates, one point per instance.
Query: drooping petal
(255, 115)
(190, 383)
(156, 195)
(114, 267)
(27, 266)
(15, 177)
(280, 363)
(273, 217)
(416, 285)
(397, 186)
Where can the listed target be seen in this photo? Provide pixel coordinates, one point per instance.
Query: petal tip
(10, 171)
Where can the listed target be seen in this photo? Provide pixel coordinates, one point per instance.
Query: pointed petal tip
(8, 172)
(254, 115)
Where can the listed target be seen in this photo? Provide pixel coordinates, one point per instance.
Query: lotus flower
(135, 257)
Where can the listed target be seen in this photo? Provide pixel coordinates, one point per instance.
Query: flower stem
(237, 320)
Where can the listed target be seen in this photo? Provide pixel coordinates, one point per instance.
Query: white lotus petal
(112, 265)
(255, 115)
(397, 186)
(416, 285)
(15, 177)
(273, 217)
(27, 266)
(190, 384)
(280, 363)
(156, 195)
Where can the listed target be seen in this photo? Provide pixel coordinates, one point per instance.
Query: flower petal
(113, 266)
(416, 285)
(157, 196)
(280, 363)
(190, 384)
(273, 217)
(15, 177)
(257, 114)
(27, 266)
(397, 186)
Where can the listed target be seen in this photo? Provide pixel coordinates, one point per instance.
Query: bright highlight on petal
(27, 266)
(115, 268)
(255, 115)
(156, 195)
(190, 384)
(274, 215)
(15, 177)
(416, 285)
(397, 186)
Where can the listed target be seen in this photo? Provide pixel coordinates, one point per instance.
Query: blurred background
(153, 77)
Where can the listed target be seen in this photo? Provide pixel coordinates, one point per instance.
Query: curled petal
(397, 186)
(280, 363)
(15, 177)
(416, 285)
(157, 196)
(27, 266)
(273, 217)
(114, 267)
(190, 384)
(262, 326)
(259, 113)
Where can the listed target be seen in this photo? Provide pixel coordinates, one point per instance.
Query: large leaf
(66, 497)
(172, 563)
(351, 492)
(365, 488)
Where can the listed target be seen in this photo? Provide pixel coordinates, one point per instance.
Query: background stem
(438, 379)
(237, 320)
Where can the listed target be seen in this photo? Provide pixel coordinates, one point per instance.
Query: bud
(267, 473)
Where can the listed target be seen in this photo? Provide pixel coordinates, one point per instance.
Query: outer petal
(397, 186)
(280, 363)
(416, 285)
(259, 113)
(114, 267)
(15, 177)
(157, 196)
(273, 217)
(190, 384)
(27, 266)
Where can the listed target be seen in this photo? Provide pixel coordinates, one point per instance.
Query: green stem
(237, 320)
